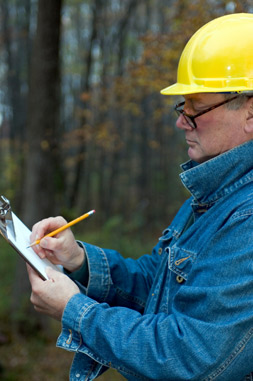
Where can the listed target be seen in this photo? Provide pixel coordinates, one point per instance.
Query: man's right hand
(60, 249)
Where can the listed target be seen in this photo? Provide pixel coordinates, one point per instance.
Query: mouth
(190, 142)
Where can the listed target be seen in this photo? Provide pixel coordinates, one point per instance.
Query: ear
(249, 120)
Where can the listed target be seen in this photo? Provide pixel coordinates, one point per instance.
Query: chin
(198, 157)
(194, 156)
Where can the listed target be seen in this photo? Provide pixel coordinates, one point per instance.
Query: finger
(38, 250)
(35, 231)
(38, 307)
(48, 247)
(41, 228)
(50, 224)
(31, 272)
(51, 257)
(33, 276)
(49, 243)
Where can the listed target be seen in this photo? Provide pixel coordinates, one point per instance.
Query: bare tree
(42, 168)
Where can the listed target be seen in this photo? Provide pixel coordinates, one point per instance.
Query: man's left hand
(51, 296)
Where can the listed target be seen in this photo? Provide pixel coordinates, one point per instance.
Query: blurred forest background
(83, 126)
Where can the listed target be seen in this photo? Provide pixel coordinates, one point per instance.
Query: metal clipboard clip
(16, 233)
(6, 221)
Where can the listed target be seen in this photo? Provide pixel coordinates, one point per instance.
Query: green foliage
(11, 171)
(127, 238)
(7, 269)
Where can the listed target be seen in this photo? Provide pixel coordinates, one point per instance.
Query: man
(186, 311)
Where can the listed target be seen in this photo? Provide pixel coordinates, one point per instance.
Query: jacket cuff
(99, 273)
(70, 337)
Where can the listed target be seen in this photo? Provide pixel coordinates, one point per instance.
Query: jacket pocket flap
(180, 261)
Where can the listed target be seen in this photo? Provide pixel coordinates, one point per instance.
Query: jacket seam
(129, 297)
(243, 213)
(86, 310)
(240, 347)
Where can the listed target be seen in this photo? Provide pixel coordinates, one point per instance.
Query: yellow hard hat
(217, 58)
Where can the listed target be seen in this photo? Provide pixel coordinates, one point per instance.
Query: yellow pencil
(71, 223)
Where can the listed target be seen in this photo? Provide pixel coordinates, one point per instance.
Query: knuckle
(32, 298)
(35, 292)
(61, 221)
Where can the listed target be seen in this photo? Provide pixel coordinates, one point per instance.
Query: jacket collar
(217, 177)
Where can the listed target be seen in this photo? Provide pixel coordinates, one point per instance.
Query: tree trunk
(15, 38)
(42, 168)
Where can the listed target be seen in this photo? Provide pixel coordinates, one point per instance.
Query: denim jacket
(186, 311)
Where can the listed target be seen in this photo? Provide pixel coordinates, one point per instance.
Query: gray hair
(239, 101)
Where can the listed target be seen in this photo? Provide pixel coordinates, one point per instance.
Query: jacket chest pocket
(175, 268)
(180, 262)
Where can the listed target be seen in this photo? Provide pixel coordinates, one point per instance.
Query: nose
(182, 123)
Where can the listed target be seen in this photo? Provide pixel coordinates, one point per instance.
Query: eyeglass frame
(193, 117)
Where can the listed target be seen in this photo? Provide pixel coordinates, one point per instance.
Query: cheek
(211, 139)
(217, 138)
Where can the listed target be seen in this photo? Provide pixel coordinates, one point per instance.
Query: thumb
(44, 243)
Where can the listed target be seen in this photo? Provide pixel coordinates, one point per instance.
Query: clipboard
(16, 233)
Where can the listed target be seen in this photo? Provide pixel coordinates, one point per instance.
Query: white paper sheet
(21, 243)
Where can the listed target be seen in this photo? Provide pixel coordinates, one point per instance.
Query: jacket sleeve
(119, 281)
(208, 335)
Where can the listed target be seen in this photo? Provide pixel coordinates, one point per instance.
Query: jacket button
(179, 279)
(160, 251)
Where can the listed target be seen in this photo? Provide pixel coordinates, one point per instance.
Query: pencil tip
(32, 244)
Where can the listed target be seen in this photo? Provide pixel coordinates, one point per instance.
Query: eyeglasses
(190, 119)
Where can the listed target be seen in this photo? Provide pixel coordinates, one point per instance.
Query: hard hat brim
(182, 89)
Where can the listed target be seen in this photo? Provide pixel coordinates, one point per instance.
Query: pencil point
(33, 244)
